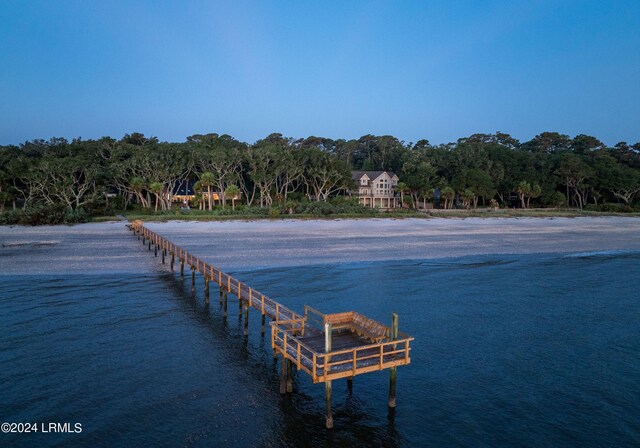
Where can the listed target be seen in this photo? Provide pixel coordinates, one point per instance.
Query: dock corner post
(289, 376)
(327, 383)
(193, 278)
(283, 375)
(393, 372)
(206, 290)
(239, 307)
(246, 319)
(262, 327)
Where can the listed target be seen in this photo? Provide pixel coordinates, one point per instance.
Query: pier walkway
(325, 346)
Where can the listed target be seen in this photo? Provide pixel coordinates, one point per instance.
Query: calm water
(513, 350)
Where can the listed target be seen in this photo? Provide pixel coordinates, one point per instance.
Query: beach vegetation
(45, 181)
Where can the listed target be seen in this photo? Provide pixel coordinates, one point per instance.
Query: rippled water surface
(510, 350)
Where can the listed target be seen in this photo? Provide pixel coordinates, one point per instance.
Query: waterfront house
(185, 193)
(376, 189)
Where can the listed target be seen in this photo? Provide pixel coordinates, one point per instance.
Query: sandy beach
(242, 245)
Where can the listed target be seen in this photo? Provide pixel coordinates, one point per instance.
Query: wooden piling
(283, 376)
(239, 307)
(163, 254)
(327, 384)
(392, 376)
(206, 290)
(262, 328)
(182, 268)
(246, 320)
(223, 295)
(350, 385)
(173, 259)
(155, 250)
(193, 278)
(289, 376)
(149, 245)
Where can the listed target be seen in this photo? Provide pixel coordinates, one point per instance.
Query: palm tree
(207, 180)
(138, 184)
(427, 193)
(156, 189)
(448, 194)
(535, 193)
(402, 188)
(232, 191)
(524, 190)
(467, 197)
(197, 189)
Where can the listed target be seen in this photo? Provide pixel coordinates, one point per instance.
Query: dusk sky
(438, 70)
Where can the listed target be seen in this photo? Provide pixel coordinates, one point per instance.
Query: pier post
(223, 296)
(239, 307)
(350, 385)
(392, 378)
(289, 376)
(193, 278)
(173, 259)
(144, 241)
(149, 245)
(155, 250)
(327, 384)
(182, 268)
(283, 376)
(262, 328)
(246, 320)
(206, 290)
(163, 254)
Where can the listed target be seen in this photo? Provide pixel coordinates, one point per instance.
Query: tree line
(100, 176)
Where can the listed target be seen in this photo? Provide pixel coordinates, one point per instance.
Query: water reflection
(301, 419)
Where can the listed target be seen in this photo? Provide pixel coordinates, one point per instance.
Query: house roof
(372, 175)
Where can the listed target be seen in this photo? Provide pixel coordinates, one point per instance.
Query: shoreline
(255, 244)
(236, 245)
(432, 214)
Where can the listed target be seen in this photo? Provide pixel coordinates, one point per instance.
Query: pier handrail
(266, 305)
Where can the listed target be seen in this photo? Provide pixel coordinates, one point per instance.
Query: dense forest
(58, 180)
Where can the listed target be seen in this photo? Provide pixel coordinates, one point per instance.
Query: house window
(383, 187)
(363, 181)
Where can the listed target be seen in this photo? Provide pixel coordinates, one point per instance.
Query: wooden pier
(325, 346)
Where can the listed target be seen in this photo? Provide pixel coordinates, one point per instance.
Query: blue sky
(438, 70)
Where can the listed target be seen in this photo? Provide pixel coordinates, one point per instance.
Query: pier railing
(247, 294)
(337, 364)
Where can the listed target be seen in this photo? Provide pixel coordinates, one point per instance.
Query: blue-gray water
(510, 350)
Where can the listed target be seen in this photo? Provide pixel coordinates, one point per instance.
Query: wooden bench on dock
(350, 321)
